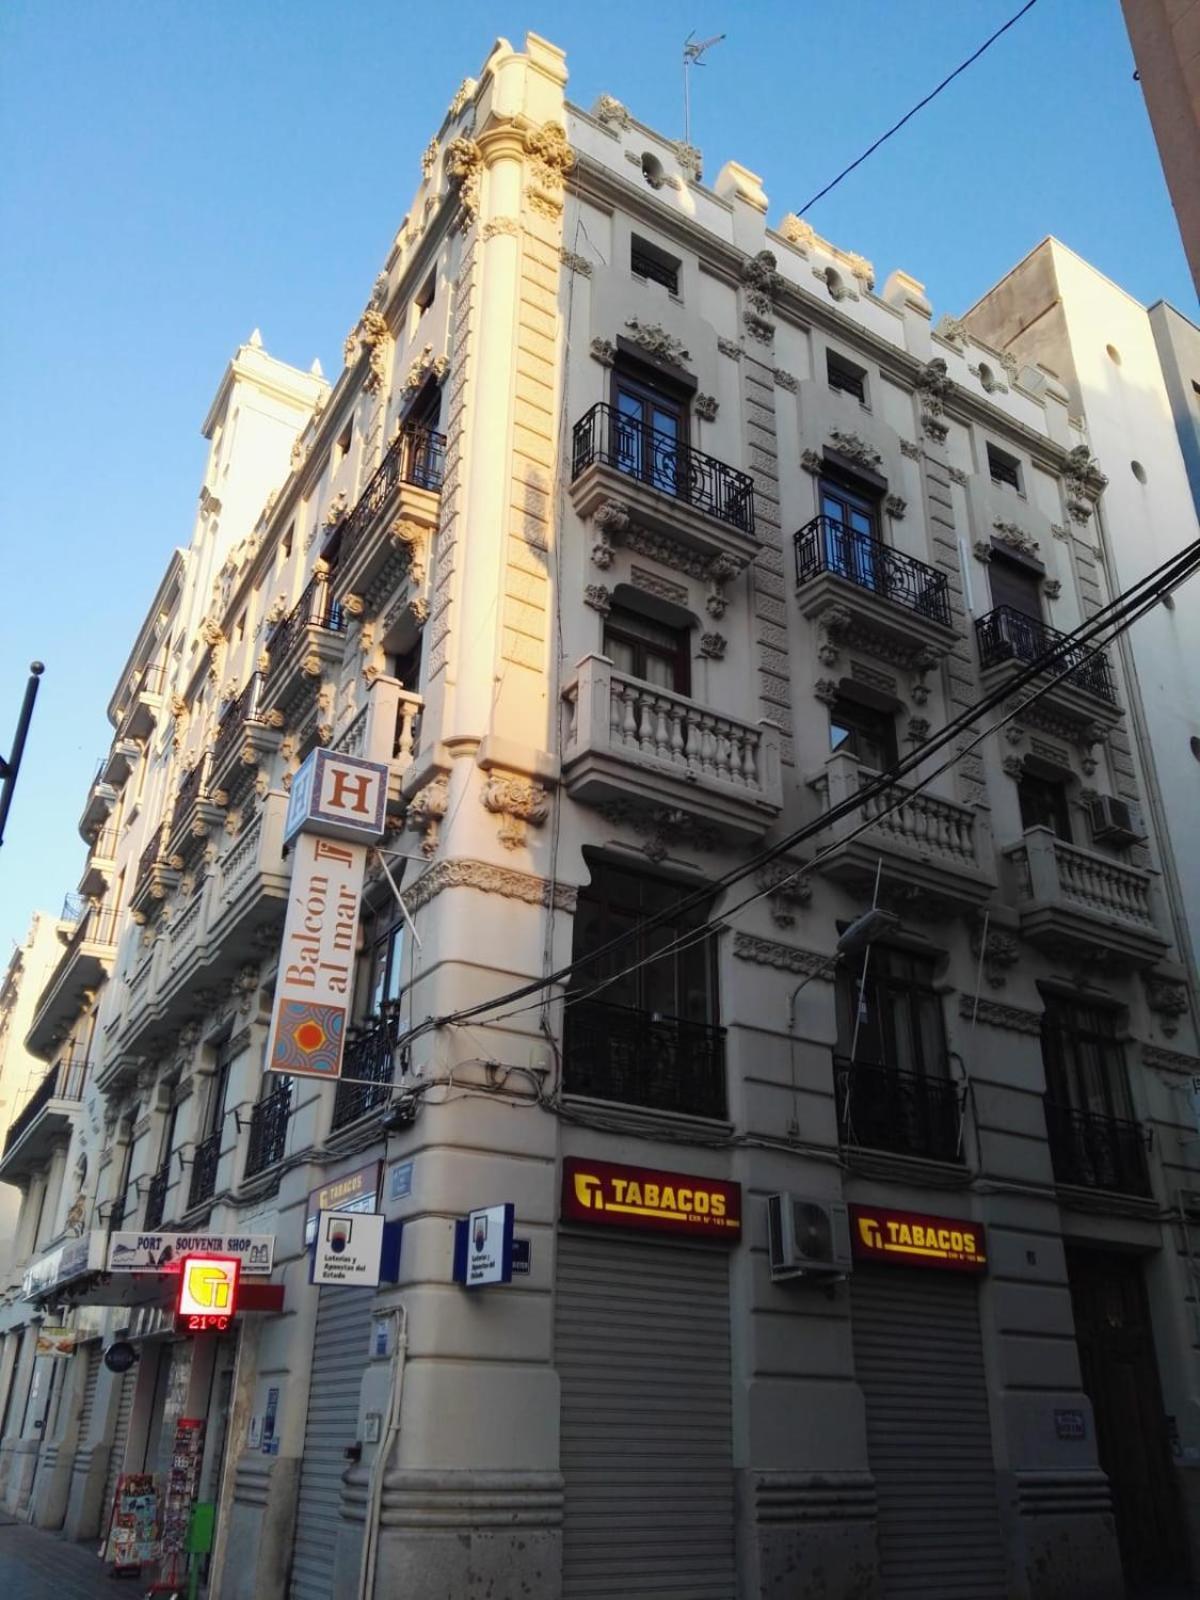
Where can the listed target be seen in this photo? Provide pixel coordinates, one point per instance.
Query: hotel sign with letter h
(336, 807)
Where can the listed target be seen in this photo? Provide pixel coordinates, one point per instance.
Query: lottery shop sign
(913, 1239)
(608, 1194)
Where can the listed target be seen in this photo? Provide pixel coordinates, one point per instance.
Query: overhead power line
(920, 105)
(1062, 657)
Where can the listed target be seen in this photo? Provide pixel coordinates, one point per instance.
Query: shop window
(649, 650)
(647, 261)
(642, 1019)
(864, 732)
(1004, 468)
(844, 376)
(1044, 805)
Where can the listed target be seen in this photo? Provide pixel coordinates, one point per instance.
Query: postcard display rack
(132, 1531)
(182, 1490)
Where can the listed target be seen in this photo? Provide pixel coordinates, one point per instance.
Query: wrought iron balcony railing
(240, 710)
(603, 435)
(156, 1197)
(905, 1113)
(63, 1082)
(416, 456)
(369, 1056)
(192, 786)
(316, 608)
(104, 845)
(643, 1058)
(1007, 634)
(268, 1129)
(1095, 1151)
(205, 1161)
(828, 545)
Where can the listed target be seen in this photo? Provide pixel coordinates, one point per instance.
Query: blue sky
(174, 175)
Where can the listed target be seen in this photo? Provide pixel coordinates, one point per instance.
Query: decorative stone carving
(713, 646)
(599, 597)
(461, 95)
(410, 540)
(464, 167)
(705, 407)
(338, 508)
(957, 475)
(370, 333)
(429, 159)
(467, 874)
(802, 235)
(996, 1015)
(786, 957)
(982, 550)
(895, 505)
(785, 380)
(1014, 766)
(730, 348)
(1015, 537)
(507, 227)
(933, 384)
(909, 449)
(426, 810)
(517, 801)
(1059, 532)
(661, 827)
(574, 263)
(179, 707)
(1001, 952)
(656, 341)
(763, 283)
(551, 159)
(759, 328)
(1052, 588)
(602, 551)
(299, 453)
(918, 730)
(934, 428)
(611, 112)
(604, 351)
(826, 691)
(861, 269)
(855, 448)
(812, 461)
(1168, 999)
(787, 889)
(653, 584)
(953, 330)
(422, 366)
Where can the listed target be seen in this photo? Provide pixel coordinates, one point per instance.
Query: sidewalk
(40, 1566)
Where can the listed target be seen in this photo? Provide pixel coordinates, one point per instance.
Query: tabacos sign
(606, 1194)
(913, 1239)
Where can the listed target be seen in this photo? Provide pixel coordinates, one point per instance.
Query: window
(864, 732)
(652, 651)
(845, 377)
(426, 409)
(649, 1037)
(343, 444)
(851, 533)
(646, 260)
(1083, 1058)
(1015, 586)
(385, 977)
(285, 547)
(1004, 468)
(214, 1114)
(426, 294)
(651, 432)
(1044, 805)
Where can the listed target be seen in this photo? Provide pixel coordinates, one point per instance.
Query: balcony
(666, 486)
(370, 1056)
(101, 865)
(903, 1113)
(875, 596)
(120, 762)
(247, 736)
(934, 852)
(1009, 641)
(156, 877)
(385, 539)
(388, 704)
(194, 815)
(47, 1115)
(234, 915)
(205, 1160)
(81, 969)
(101, 800)
(1092, 1151)
(629, 741)
(1079, 905)
(304, 648)
(137, 718)
(643, 1058)
(268, 1129)
(156, 1198)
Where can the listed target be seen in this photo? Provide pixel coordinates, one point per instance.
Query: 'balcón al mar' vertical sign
(336, 807)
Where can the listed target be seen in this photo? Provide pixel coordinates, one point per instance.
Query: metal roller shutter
(340, 1351)
(116, 1458)
(918, 1357)
(87, 1406)
(642, 1350)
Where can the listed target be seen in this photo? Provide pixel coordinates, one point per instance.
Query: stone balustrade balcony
(81, 969)
(926, 849)
(632, 743)
(1084, 906)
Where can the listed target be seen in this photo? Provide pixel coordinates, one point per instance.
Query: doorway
(1120, 1378)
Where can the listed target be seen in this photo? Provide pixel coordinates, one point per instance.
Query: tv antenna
(692, 51)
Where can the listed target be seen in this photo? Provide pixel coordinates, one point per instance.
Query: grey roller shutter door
(116, 1457)
(918, 1357)
(87, 1406)
(642, 1351)
(340, 1351)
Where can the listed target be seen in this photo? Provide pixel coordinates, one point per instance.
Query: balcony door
(851, 533)
(651, 434)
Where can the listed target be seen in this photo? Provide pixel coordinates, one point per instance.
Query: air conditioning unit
(1116, 821)
(807, 1238)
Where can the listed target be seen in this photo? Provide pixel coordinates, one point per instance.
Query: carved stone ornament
(802, 235)
(1059, 531)
(517, 801)
(785, 957)
(179, 707)
(463, 873)
(336, 511)
(574, 263)
(552, 156)
(785, 380)
(691, 162)
(1015, 537)
(604, 351)
(830, 277)
(1052, 588)
(713, 646)
(995, 1015)
(934, 428)
(826, 690)
(410, 539)
(730, 348)
(299, 454)
(957, 475)
(706, 407)
(787, 889)
(370, 333)
(934, 383)
(464, 167)
(1014, 767)
(895, 505)
(461, 95)
(656, 341)
(661, 827)
(653, 583)
(611, 112)
(211, 633)
(1168, 1000)
(953, 330)
(599, 597)
(918, 730)
(855, 448)
(760, 329)
(812, 461)
(429, 159)
(861, 268)
(910, 449)
(763, 283)
(422, 366)
(426, 810)
(1001, 952)
(506, 227)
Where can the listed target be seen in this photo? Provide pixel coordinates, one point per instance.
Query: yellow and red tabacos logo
(607, 1194)
(912, 1239)
(208, 1292)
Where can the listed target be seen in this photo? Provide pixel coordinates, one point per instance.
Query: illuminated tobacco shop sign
(606, 1194)
(912, 1239)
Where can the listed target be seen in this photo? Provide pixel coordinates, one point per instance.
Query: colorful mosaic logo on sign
(308, 1039)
